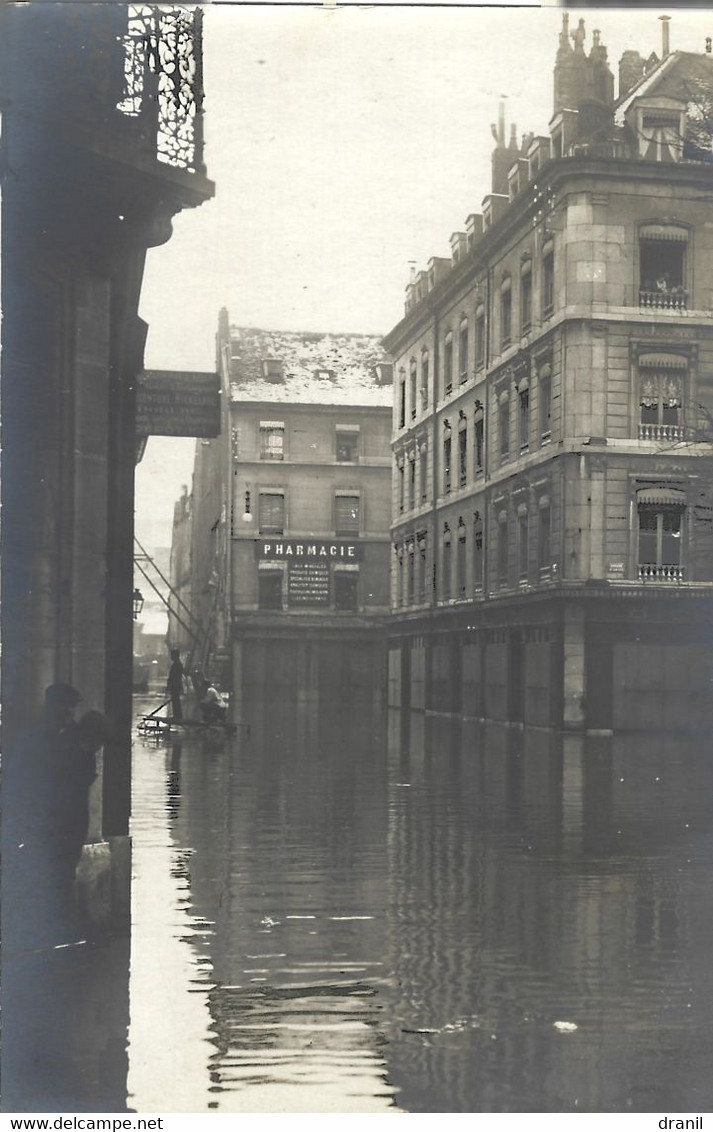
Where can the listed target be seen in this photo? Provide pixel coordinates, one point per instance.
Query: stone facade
(552, 478)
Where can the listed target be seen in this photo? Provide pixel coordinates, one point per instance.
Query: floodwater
(355, 910)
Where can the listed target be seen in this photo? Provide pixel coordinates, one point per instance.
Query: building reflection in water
(388, 909)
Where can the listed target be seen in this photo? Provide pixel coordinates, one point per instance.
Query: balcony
(661, 432)
(675, 300)
(670, 575)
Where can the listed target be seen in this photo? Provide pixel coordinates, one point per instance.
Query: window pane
(462, 456)
(272, 514)
(671, 537)
(447, 464)
(446, 571)
(345, 591)
(270, 589)
(478, 554)
(460, 566)
(272, 443)
(503, 553)
(347, 513)
(479, 446)
(522, 546)
(347, 447)
(543, 540)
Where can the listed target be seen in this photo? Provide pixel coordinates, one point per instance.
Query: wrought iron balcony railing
(163, 73)
(669, 574)
(676, 300)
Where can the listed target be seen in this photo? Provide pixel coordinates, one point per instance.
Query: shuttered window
(346, 511)
(272, 513)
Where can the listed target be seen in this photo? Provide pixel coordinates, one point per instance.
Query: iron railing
(676, 300)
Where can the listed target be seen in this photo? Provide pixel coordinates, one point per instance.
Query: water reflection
(385, 909)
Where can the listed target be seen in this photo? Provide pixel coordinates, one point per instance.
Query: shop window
(448, 363)
(661, 512)
(413, 385)
(272, 440)
(271, 513)
(270, 589)
(347, 447)
(526, 298)
(346, 514)
(346, 590)
(661, 405)
(662, 267)
(463, 351)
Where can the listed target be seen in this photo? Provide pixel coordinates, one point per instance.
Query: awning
(663, 361)
(272, 424)
(663, 232)
(660, 497)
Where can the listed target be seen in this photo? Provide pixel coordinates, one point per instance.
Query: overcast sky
(344, 143)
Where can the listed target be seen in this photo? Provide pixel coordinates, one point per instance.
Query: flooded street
(368, 911)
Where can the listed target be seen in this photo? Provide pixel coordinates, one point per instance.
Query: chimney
(665, 36)
(631, 69)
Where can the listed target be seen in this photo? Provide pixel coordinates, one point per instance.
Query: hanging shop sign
(321, 550)
(178, 403)
(308, 582)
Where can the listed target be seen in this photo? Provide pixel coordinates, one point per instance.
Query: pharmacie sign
(308, 550)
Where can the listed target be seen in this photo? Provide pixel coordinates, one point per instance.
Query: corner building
(552, 541)
(289, 517)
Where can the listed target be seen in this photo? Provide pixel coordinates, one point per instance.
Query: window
(448, 363)
(272, 440)
(424, 379)
(478, 438)
(661, 512)
(401, 484)
(505, 314)
(423, 473)
(463, 456)
(480, 337)
(523, 415)
(463, 351)
(460, 560)
(271, 507)
(477, 551)
(413, 382)
(447, 463)
(412, 482)
(410, 572)
(522, 543)
(402, 399)
(446, 574)
(346, 514)
(346, 590)
(504, 424)
(269, 589)
(545, 402)
(272, 369)
(526, 297)
(421, 539)
(544, 553)
(503, 549)
(548, 280)
(347, 447)
(661, 405)
(662, 267)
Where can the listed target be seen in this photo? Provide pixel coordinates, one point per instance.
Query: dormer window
(660, 128)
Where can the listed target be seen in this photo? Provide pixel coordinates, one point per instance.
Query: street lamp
(137, 602)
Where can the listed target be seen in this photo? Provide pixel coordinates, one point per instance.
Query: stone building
(553, 380)
(289, 515)
(100, 150)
